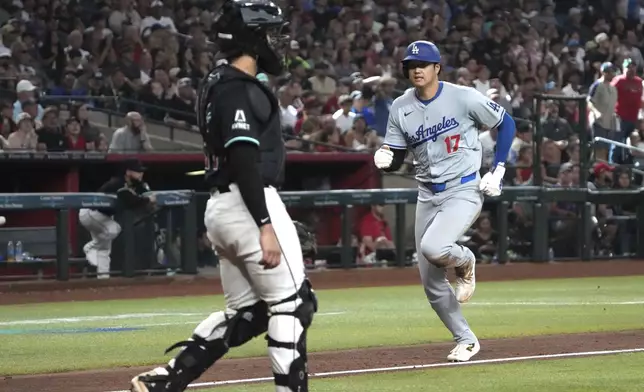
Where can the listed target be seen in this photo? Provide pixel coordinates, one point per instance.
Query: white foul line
(536, 303)
(127, 316)
(414, 367)
(80, 319)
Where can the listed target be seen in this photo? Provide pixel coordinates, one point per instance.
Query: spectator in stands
(153, 95)
(298, 74)
(74, 138)
(382, 102)
(360, 137)
(374, 231)
(31, 107)
(201, 66)
(119, 87)
(328, 134)
(483, 240)
(26, 92)
(50, 136)
(293, 55)
(25, 137)
(523, 137)
(132, 138)
(321, 83)
(554, 127)
(89, 132)
(551, 160)
(523, 175)
(124, 14)
(602, 98)
(96, 87)
(288, 112)
(20, 52)
(344, 117)
(7, 125)
(482, 82)
(629, 101)
(131, 70)
(362, 106)
(602, 176)
(68, 86)
(183, 105)
(156, 17)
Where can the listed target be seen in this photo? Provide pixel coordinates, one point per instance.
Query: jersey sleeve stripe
(241, 139)
(500, 120)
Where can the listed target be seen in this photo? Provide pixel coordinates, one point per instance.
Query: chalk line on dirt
(415, 367)
(126, 316)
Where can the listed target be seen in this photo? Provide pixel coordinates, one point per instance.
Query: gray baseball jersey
(442, 133)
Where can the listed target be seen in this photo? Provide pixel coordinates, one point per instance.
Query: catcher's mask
(255, 28)
(307, 240)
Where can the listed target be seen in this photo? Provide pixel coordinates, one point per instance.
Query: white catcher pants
(235, 237)
(103, 230)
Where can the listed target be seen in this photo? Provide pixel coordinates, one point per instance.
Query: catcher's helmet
(252, 27)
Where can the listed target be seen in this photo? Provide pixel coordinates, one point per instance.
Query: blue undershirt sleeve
(506, 131)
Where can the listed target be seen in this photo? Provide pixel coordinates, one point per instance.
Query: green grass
(614, 373)
(371, 317)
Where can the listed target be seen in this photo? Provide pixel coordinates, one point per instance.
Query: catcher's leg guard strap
(289, 320)
(211, 341)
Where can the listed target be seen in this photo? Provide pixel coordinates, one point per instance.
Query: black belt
(226, 188)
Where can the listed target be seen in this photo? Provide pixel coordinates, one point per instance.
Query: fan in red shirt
(75, 140)
(374, 231)
(629, 98)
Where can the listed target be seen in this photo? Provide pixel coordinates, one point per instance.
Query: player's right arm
(241, 115)
(391, 155)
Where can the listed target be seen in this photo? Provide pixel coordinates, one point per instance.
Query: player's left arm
(492, 115)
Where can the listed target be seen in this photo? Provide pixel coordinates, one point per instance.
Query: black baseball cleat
(155, 380)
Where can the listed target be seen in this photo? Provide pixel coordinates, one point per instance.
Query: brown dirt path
(153, 287)
(233, 369)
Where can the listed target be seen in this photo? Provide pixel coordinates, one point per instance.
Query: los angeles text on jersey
(432, 132)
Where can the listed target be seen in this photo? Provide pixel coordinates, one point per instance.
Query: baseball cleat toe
(464, 352)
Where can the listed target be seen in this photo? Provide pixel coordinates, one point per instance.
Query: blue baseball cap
(607, 67)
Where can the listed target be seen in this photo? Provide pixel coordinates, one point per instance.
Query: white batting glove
(492, 182)
(383, 157)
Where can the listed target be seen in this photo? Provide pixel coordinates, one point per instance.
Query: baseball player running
(262, 271)
(100, 222)
(439, 123)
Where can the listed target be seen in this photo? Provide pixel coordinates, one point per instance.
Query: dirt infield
(117, 379)
(153, 287)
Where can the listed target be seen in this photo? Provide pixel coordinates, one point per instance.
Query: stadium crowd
(144, 58)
